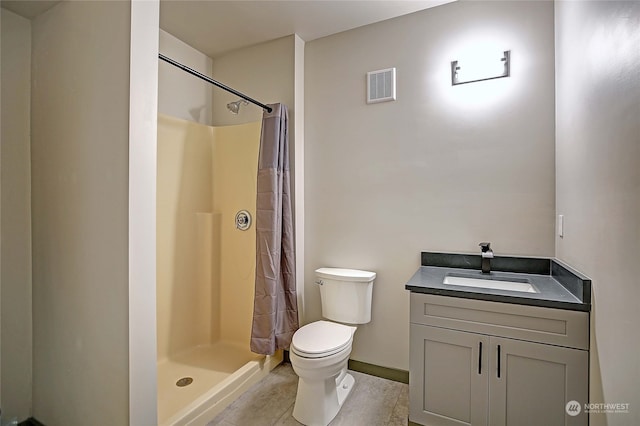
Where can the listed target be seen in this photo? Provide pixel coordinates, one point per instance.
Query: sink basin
(511, 284)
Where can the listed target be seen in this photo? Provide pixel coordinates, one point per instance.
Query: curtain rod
(212, 81)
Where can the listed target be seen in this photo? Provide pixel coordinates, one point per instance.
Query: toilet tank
(346, 294)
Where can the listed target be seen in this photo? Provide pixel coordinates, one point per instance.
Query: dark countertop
(560, 287)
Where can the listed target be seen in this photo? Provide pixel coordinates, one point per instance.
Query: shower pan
(205, 269)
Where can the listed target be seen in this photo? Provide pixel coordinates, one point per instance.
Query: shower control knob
(243, 220)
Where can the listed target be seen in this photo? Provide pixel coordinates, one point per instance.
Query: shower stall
(205, 268)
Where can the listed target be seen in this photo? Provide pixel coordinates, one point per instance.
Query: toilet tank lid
(345, 274)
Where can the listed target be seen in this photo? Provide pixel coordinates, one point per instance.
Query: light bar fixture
(480, 69)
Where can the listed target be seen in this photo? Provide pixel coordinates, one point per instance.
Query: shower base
(220, 372)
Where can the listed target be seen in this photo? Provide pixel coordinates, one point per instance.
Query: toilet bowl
(319, 351)
(323, 382)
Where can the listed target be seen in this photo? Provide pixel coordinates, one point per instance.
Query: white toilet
(320, 351)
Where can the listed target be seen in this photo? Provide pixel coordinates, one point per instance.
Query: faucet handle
(485, 247)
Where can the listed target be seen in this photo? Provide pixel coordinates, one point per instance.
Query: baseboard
(394, 374)
(30, 422)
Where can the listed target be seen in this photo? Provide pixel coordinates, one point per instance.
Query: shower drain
(185, 381)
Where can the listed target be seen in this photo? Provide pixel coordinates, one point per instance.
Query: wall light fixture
(480, 69)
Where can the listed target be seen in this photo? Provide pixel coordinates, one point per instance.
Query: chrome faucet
(487, 255)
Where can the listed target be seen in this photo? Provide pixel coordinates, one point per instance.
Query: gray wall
(441, 168)
(180, 94)
(264, 72)
(80, 148)
(15, 289)
(598, 184)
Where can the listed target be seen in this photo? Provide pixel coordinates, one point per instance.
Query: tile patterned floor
(373, 402)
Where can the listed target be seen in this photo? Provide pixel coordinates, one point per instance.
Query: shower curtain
(275, 308)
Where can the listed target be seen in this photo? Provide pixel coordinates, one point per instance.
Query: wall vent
(381, 85)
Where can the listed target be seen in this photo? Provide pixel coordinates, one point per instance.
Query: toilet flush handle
(319, 282)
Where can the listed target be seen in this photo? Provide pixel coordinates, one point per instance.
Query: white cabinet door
(531, 383)
(448, 379)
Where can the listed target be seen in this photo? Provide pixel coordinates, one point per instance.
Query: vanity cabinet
(476, 362)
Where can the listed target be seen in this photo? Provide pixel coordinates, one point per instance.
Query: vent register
(381, 86)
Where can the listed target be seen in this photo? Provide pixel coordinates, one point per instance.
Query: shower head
(234, 107)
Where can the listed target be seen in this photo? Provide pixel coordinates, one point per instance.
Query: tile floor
(373, 401)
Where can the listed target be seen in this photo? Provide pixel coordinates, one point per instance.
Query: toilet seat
(321, 339)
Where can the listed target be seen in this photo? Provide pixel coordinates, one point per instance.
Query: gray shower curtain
(275, 307)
